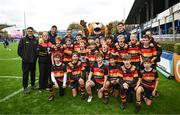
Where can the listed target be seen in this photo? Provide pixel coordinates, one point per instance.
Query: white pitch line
(16, 77)
(13, 94)
(8, 59)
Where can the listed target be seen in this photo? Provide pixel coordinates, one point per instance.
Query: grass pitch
(37, 102)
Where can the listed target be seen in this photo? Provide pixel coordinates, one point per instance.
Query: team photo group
(93, 61)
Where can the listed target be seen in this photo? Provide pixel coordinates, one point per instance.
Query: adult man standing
(68, 35)
(52, 34)
(121, 31)
(27, 50)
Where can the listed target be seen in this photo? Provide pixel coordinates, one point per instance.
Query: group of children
(120, 69)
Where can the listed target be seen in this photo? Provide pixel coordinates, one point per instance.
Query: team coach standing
(27, 50)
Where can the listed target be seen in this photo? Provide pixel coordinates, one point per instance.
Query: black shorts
(60, 84)
(148, 92)
(97, 85)
(115, 86)
(129, 90)
(75, 83)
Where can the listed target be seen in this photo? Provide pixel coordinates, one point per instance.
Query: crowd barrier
(169, 65)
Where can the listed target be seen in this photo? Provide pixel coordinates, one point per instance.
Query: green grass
(8, 86)
(36, 103)
(9, 67)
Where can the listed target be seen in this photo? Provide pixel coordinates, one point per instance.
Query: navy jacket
(52, 38)
(125, 33)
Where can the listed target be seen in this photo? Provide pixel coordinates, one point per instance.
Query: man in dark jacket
(27, 50)
(68, 36)
(122, 31)
(52, 34)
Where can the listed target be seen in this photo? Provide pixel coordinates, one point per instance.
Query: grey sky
(41, 14)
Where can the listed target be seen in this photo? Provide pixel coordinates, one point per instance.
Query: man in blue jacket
(122, 31)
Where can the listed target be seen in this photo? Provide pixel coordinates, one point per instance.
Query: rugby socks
(52, 91)
(106, 93)
(123, 98)
(82, 89)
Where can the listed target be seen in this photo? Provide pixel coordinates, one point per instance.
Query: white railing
(167, 37)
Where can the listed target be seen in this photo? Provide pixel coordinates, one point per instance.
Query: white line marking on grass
(16, 77)
(13, 94)
(8, 59)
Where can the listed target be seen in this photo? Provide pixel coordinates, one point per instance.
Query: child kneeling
(58, 77)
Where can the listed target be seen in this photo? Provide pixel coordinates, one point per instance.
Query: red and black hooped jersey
(101, 49)
(111, 47)
(75, 69)
(68, 54)
(134, 51)
(149, 52)
(121, 51)
(148, 78)
(76, 47)
(128, 75)
(90, 55)
(58, 49)
(82, 58)
(59, 71)
(113, 50)
(113, 72)
(99, 73)
(106, 55)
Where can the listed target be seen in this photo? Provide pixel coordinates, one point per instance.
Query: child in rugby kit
(68, 50)
(91, 53)
(57, 49)
(98, 78)
(128, 79)
(134, 50)
(58, 77)
(76, 75)
(77, 42)
(147, 84)
(82, 57)
(147, 51)
(105, 51)
(121, 49)
(113, 77)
